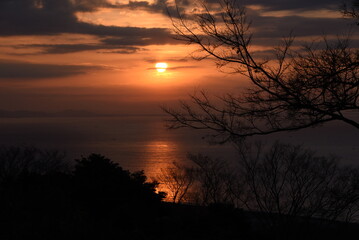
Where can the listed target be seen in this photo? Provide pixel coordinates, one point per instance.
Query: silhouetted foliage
(96, 176)
(34, 192)
(97, 200)
(291, 90)
(100, 200)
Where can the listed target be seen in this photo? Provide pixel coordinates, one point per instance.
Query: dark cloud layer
(275, 27)
(301, 25)
(43, 17)
(130, 44)
(158, 6)
(51, 17)
(25, 70)
(46, 17)
(297, 4)
(275, 5)
(73, 48)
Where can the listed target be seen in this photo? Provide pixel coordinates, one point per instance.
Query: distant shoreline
(67, 113)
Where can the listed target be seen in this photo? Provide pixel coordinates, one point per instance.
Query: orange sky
(100, 55)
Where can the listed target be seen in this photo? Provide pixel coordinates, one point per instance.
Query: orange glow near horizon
(73, 69)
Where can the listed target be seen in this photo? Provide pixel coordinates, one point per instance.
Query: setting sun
(161, 67)
(179, 119)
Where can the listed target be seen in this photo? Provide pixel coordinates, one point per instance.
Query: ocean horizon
(143, 142)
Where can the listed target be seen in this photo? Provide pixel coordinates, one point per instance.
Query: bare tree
(16, 161)
(283, 183)
(294, 89)
(213, 180)
(177, 181)
(206, 181)
(351, 10)
(291, 181)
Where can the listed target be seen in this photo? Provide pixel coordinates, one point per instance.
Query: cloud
(300, 26)
(123, 51)
(53, 17)
(158, 6)
(304, 18)
(278, 5)
(181, 60)
(297, 4)
(91, 5)
(49, 17)
(130, 44)
(176, 68)
(73, 48)
(26, 70)
(144, 40)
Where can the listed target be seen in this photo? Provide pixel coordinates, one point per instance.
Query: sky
(100, 55)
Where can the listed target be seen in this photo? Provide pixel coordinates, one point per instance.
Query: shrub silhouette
(98, 199)
(96, 176)
(111, 200)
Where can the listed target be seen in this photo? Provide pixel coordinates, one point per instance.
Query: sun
(161, 67)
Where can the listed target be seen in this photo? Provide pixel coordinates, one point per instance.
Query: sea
(144, 142)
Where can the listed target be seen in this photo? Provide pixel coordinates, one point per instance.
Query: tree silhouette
(351, 10)
(97, 176)
(18, 161)
(177, 180)
(291, 181)
(98, 199)
(284, 180)
(214, 180)
(290, 191)
(293, 89)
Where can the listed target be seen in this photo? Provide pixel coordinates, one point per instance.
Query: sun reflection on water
(160, 155)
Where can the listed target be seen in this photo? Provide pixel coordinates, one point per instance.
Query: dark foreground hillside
(100, 200)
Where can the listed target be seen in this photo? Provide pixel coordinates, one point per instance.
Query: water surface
(143, 142)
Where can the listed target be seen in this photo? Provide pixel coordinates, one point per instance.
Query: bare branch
(295, 89)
